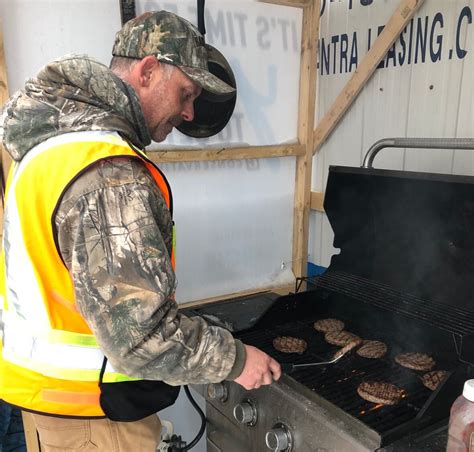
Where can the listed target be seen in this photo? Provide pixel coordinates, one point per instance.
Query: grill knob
(245, 413)
(217, 391)
(279, 438)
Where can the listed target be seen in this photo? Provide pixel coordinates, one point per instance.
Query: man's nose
(188, 111)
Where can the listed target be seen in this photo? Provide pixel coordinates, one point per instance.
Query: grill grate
(449, 318)
(338, 382)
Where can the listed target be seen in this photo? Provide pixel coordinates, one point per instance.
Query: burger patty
(415, 361)
(288, 344)
(328, 325)
(434, 378)
(341, 338)
(379, 392)
(346, 349)
(372, 349)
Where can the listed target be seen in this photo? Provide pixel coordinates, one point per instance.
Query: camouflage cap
(172, 40)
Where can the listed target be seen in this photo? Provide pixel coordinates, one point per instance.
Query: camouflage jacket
(123, 279)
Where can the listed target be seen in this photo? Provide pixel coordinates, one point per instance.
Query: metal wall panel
(423, 88)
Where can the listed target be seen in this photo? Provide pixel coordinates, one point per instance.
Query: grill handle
(426, 143)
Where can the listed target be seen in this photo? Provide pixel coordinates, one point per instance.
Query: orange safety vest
(50, 360)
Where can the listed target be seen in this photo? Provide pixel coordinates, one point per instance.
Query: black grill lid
(411, 231)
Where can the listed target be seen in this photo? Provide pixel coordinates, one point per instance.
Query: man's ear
(145, 70)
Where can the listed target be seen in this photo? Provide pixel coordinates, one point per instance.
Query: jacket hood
(74, 93)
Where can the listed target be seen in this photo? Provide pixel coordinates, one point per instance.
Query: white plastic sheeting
(423, 88)
(234, 225)
(234, 218)
(261, 42)
(38, 31)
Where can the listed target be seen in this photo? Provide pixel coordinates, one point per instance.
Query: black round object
(212, 113)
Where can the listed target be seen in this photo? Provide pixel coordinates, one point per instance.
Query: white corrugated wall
(424, 89)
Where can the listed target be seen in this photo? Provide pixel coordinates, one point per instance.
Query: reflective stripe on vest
(44, 335)
(55, 353)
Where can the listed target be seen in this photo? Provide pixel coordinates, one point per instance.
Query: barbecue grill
(404, 276)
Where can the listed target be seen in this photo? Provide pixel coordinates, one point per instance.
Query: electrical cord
(200, 14)
(203, 420)
(178, 445)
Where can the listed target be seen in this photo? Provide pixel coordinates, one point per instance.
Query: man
(92, 333)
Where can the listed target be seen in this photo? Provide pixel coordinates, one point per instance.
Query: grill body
(404, 276)
(320, 407)
(312, 425)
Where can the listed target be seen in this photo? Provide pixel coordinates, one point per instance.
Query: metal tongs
(287, 368)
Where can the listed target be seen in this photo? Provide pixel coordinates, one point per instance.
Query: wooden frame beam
(5, 158)
(281, 290)
(3, 71)
(306, 115)
(400, 18)
(223, 153)
(294, 3)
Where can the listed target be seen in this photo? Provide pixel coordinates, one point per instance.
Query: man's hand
(260, 369)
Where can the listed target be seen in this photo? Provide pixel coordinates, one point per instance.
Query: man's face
(168, 101)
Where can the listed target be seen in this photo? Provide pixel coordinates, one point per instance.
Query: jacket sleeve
(114, 234)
